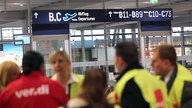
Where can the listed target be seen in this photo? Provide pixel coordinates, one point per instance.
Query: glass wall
(88, 45)
(91, 43)
(9, 32)
(94, 45)
(188, 40)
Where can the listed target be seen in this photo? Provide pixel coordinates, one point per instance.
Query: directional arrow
(36, 15)
(110, 13)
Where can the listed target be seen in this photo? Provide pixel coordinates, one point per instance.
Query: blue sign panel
(50, 29)
(68, 16)
(155, 26)
(116, 15)
(100, 15)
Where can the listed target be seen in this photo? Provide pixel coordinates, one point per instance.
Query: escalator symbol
(68, 16)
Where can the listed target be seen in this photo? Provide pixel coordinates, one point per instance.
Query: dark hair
(128, 51)
(94, 86)
(167, 52)
(32, 61)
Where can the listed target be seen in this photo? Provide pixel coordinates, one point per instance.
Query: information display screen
(11, 52)
(24, 38)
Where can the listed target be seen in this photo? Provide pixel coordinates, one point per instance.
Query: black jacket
(132, 96)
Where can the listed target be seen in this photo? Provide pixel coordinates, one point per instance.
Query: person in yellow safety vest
(135, 87)
(61, 65)
(177, 78)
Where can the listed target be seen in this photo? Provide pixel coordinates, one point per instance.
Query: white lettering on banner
(86, 19)
(83, 14)
(41, 90)
(54, 17)
(51, 17)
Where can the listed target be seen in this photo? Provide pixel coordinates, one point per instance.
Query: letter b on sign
(51, 16)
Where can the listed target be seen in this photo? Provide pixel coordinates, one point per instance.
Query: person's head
(95, 79)
(93, 87)
(32, 61)
(126, 54)
(9, 71)
(60, 62)
(164, 59)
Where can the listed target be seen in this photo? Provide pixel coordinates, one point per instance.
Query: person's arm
(132, 96)
(186, 100)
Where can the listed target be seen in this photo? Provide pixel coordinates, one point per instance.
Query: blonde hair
(63, 54)
(55, 54)
(7, 68)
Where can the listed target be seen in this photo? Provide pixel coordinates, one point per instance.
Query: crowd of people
(169, 87)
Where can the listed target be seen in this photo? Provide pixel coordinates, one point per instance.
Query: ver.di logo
(68, 16)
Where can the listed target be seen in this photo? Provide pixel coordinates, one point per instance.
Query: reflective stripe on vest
(154, 91)
(176, 90)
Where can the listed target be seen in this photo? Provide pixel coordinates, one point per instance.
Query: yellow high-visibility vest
(75, 88)
(153, 90)
(176, 90)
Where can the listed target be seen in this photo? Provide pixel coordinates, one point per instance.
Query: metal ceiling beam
(12, 15)
(49, 4)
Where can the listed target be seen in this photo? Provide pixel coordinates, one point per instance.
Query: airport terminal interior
(91, 43)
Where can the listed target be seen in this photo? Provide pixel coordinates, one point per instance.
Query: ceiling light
(154, 1)
(147, 2)
(17, 4)
(20, 4)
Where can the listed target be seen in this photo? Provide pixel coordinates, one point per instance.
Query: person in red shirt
(33, 89)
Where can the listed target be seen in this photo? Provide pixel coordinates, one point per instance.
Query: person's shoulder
(51, 82)
(14, 84)
(8, 90)
(131, 85)
(79, 76)
(54, 86)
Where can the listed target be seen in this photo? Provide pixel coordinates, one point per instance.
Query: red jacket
(33, 91)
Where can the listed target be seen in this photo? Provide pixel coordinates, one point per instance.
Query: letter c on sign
(150, 14)
(58, 16)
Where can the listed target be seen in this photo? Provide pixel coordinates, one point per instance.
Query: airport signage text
(139, 15)
(101, 15)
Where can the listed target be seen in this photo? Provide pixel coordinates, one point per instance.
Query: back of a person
(154, 90)
(93, 91)
(135, 87)
(33, 89)
(33, 92)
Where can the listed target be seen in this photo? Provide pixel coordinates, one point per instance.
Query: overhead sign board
(67, 16)
(101, 15)
(116, 15)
